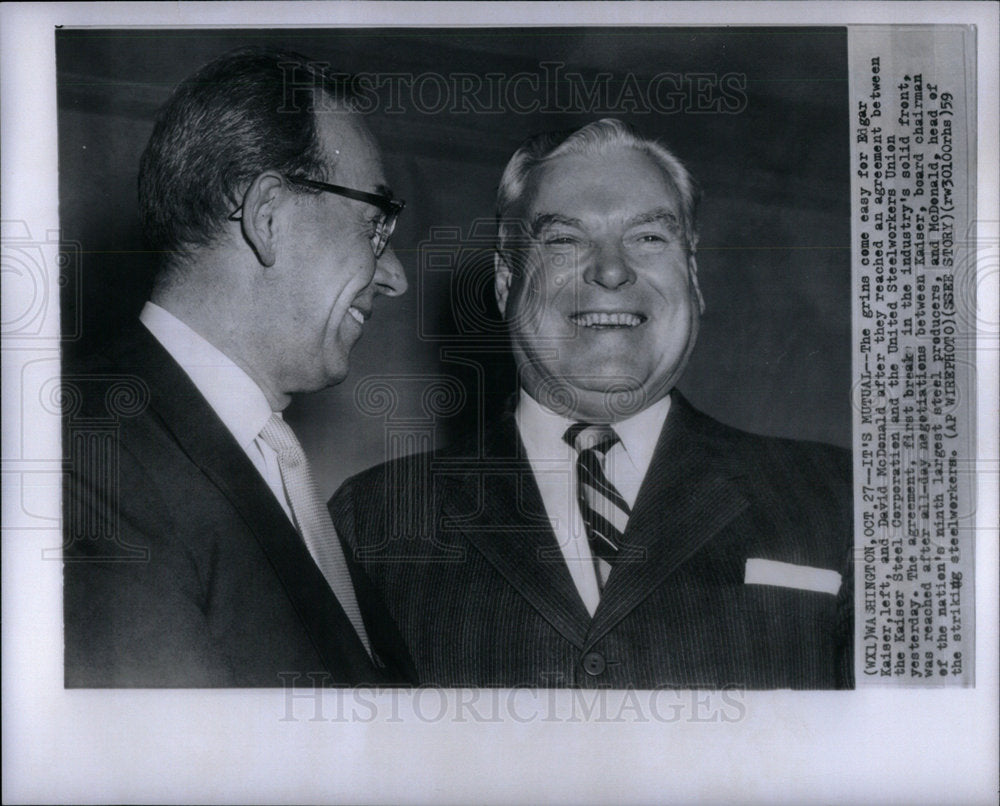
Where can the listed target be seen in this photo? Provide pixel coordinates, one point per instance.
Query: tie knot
(280, 436)
(591, 437)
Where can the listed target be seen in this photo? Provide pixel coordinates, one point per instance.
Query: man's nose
(390, 277)
(609, 268)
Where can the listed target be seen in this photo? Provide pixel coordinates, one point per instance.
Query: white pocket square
(788, 575)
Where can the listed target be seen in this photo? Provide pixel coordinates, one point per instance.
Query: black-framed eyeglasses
(385, 225)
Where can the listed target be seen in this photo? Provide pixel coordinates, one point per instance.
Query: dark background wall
(774, 351)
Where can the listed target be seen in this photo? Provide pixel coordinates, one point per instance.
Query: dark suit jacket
(461, 547)
(180, 566)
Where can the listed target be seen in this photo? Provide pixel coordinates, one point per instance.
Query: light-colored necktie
(605, 513)
(312, 519)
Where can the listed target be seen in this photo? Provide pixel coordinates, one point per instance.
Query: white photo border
(906, 746)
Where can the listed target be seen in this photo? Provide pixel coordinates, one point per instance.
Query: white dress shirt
(553, 462)
(232, 394)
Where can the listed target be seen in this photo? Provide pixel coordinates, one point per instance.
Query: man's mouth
(358, 315)
(607, 319)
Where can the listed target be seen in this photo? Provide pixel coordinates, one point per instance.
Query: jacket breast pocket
(776, 607)
(790, 636)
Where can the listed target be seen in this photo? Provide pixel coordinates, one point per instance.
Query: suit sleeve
(845, 599)
(845, 629)
(341, 506)
(133, 595)
(382, 627)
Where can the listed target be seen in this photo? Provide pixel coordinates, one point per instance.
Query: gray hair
(594, 138)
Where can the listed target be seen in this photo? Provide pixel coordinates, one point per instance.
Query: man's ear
(501, 281)
(258, 220)
(693, 278)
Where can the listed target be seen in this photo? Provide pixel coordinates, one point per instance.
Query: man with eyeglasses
(197, 549)
(604, 533)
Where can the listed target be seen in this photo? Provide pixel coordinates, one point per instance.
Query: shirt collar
(232, 394)
(543, 429)
(640, 432)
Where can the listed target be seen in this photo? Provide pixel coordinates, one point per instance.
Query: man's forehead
(619, 208)
(660, 214)
(626, 181)
(351, 151)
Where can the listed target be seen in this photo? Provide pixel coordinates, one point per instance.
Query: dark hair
(248, 111)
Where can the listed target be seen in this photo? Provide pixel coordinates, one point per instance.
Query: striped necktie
(312, 520)
(605, 513)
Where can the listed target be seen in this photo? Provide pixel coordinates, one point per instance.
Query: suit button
(594, 663)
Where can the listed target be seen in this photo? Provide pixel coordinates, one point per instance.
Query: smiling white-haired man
(604, 533)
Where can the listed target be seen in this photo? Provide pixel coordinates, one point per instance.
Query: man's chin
(593, 398)
(330, 377)
(335, 378)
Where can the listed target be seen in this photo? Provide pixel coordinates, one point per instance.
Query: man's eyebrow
(543, 220)
(659, 214)
(384, 190)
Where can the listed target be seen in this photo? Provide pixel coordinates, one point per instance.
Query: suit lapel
(687, 497)
(510, 527)
(208, 443)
